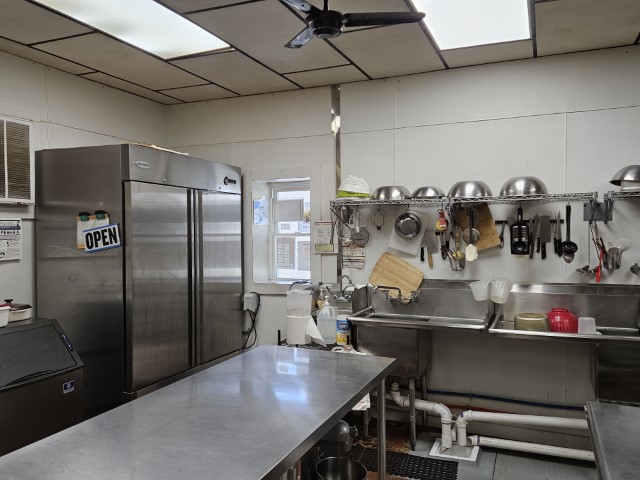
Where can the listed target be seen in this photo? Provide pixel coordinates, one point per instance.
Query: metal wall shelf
(621, 194)
(439, 202)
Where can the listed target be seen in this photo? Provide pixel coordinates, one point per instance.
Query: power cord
(252, 328)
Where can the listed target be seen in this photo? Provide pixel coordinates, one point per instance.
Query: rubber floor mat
(403, 465)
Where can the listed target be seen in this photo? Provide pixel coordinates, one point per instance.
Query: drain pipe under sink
(536, 448)
(514, 419)
(429, 407)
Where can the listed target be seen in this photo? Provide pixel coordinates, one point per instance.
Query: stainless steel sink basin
(425, 322)
(505, 328)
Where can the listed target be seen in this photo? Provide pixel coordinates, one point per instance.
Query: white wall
(66, 111)
(571, 120)
(277, 134)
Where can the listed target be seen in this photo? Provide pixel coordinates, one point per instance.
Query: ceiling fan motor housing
(326, 25)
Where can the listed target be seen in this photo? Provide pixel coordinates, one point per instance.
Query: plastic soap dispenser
(327, 323)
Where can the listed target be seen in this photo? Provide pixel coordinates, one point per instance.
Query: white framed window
(280, 207)
(281, 230)
(16, 162)
(290, 233)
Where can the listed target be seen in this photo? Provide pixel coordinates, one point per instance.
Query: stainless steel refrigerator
(165, 302)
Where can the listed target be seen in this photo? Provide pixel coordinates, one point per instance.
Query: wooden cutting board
(485, 224)
(392, 271)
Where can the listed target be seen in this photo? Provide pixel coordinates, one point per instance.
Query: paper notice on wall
(10, 240)
(88, 222)
(323, 238)
(353, 257)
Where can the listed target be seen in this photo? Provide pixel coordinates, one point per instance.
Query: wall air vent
(16, 162)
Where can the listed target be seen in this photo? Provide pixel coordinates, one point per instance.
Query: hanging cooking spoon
(568, 247)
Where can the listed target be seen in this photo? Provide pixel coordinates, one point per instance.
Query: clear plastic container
(327, 324)
(5, 309)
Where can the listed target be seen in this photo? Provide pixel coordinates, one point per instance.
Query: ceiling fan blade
(299, 40)
(381, 18)
(302, 6)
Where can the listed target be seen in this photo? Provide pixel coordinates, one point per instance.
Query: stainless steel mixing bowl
(391, 192)
(628, 178)
(523, 186)
(470, 189)
(428, 192)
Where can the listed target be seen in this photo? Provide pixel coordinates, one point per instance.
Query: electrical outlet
(250, 301)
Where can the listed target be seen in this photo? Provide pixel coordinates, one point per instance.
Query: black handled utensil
(569, 248)
(545, 234)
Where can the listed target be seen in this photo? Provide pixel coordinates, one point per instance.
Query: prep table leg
(423, 383)
(382, 431)
(412, 413)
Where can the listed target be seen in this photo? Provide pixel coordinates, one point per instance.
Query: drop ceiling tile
(578, 25)
(131, 88)
(27, 23)
(502, 52)
(199, 93)
(41, 57)
(327, 76)
(120, 60)
(192, 5)
(261, 29)
(237, 72)
(389, 51)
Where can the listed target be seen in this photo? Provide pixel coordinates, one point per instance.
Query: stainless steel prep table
(249, 417)
(614, 431)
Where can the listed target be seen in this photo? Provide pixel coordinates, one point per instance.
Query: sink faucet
(343, 293)
(385, 290)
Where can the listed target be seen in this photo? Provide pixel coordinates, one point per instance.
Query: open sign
(102, 238)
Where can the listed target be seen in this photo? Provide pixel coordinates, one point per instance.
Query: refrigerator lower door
(219, 319)
(157, 277)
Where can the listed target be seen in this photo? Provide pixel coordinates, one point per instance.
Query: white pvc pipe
(430, 407)
(531, 448)
(515, 419)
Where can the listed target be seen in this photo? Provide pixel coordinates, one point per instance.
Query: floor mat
(403, 465)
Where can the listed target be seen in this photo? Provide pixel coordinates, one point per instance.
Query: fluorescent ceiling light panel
(468, 23)
(143, 23)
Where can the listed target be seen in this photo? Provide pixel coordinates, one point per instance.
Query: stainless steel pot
(340, 468)
(408, 225)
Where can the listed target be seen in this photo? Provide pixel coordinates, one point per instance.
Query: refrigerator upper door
(157, 282)
(219, 320)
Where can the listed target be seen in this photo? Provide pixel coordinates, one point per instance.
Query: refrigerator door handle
(197, 272)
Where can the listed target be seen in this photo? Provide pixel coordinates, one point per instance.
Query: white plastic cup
(481, 289)
(500, 289)
(587, 325)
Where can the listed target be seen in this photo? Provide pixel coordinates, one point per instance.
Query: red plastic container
(562, 320)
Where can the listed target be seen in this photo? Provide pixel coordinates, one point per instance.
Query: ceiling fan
(327, 23)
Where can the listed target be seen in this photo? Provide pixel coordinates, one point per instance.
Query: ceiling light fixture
(468, 23)
(142, 23)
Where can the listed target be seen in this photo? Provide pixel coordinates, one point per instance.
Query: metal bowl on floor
(470, 189)
(627, 178)
(391, 192)
(340, 468)
(517, 186)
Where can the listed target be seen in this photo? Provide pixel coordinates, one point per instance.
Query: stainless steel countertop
(249, 417)
(614, 432)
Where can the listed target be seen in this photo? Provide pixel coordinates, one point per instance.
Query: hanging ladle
(568, 247)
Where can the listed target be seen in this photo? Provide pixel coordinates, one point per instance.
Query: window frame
(313, 173)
